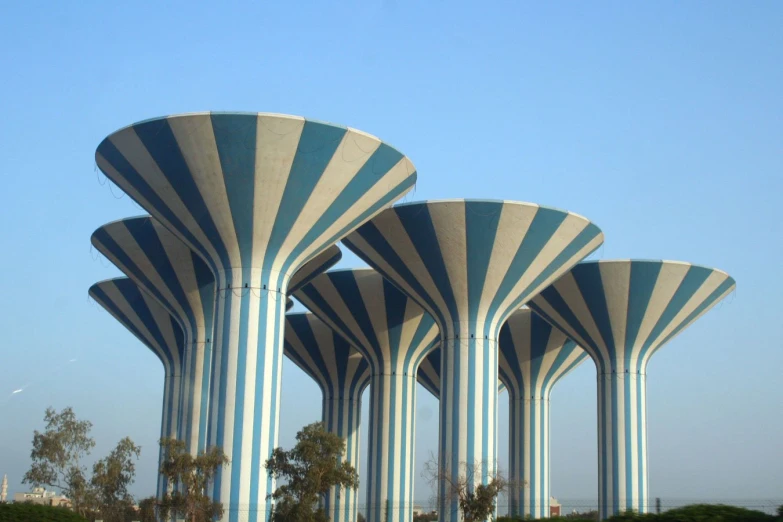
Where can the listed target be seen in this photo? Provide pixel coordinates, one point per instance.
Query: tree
(57, 454)
(111, 477)
(147, 509)
(311, 469)
(189, 477)
(476, 500)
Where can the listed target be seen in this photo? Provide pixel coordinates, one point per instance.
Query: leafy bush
(18, 512)
(693, 513)
(699, 513)
(712, 513)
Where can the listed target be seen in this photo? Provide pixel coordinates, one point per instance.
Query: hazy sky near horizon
(662, 122)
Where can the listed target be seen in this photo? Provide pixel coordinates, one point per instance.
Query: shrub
(713, 513)
(24, 512)
(693, 513)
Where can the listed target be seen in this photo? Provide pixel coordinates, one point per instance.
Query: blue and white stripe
(154, 326)
(394, 334)
(316, 266)
(342, 373)
(470, 264)
(179, 279)
(533, 356)
(621, 312)
(257, 196)
(429, 374)
(174, 275)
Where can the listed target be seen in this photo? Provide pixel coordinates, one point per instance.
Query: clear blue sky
(660, 121)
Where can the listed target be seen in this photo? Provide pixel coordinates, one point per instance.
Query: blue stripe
(157, 206)
(394, 304)
(481, 225)
(566, 257)
(159, 140)
(235, 139)
(275, 401)
(143, 231)
(708, 302)
(631, 441)
(588, 279)
(644, 276)
(552, 297)
(134, 298)
(392, 195)
(239, 398)
(105, 243)
(317, 145)
(310, 270)
(615, 434)
(381, 161)
(300, 324)
(224, 345)
(543, 226)
(640, 455)
(690, 284)
(418, 224)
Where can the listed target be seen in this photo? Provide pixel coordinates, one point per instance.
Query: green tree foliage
(310, 470)
(692, 513)
(147, 509)
(190, 476)
(22, 512)
(706, 513)
(57, 455)
(111, 477)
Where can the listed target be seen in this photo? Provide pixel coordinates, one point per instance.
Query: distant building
(554, 507)
(4, 489)
(43, 497)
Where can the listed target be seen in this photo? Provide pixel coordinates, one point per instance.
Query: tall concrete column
(621, 313)
(471, 263)
(533, 357)
(154, 326)
(394, 334)
(429, 374)
(256, 196)
(342, 374)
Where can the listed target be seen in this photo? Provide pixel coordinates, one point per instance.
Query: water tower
(256, 196)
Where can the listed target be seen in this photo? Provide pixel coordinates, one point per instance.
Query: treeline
(25, 512)
(693, 513)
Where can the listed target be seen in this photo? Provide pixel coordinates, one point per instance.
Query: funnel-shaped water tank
(470, 264)
(620, 313)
